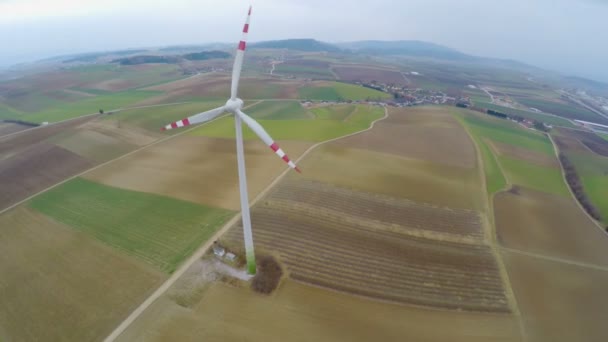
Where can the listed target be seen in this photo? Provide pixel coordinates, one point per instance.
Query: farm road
(203, 249)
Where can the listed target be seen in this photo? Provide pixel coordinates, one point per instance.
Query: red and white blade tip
(279, 151)
(176, 124)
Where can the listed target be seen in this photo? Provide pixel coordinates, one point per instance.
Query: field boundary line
(111, 161)
(205, 247)
(556, 259)
(563, 172)
(491, 221)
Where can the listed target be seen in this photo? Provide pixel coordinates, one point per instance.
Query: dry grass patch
(59, 285)
(197, 169)
(537, 222)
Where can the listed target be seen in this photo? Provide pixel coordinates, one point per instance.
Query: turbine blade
(238, 59)
(196, 118)
(261, 132)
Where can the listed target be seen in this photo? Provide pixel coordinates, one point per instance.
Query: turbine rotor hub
(233, 105)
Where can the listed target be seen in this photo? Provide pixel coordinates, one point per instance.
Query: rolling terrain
(431, 216)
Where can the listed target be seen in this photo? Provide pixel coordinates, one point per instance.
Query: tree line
(576, 185)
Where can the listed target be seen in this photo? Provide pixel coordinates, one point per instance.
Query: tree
(101, 111)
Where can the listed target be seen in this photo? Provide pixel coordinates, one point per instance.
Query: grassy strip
(337, 91)
(159, 230)
(495, 180)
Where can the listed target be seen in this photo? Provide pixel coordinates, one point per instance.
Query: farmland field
(369, 74)
(278, 110)
(59, 284)
(538, 222)
(424, 133)
(300, 130)
(152, 119)
(562, 108)
(514, 154)
(547, 179)
(158, 230)
(333, 91)
(346, 240)
(299, 313)
(585, 150)
(8, 128)
(559, 302)
(197, 169)
(546, 118)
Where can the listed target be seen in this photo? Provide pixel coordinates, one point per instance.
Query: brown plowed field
(218, 86)
(425, 133)
(34, 160)
(385, 210)
(329, 250)
(297, 312)
(395, 176)
(197, 169)
(524, 154)
(551, 225)
(559, 302)
(40, 166)
(16, 143)
(60, 285)
(8, 128)
(592, 141)
(364, 74)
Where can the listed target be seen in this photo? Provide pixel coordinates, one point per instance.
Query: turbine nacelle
(233, 106)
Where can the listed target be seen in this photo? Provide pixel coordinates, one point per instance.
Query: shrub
(268, 275)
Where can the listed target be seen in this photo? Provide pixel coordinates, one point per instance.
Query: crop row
(381, 208)
(405, 270)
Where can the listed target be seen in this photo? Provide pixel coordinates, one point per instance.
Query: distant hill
(172, 59)
(405, 47)
(200, 56)
(297, 44)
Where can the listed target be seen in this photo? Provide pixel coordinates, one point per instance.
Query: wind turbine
(234, 106)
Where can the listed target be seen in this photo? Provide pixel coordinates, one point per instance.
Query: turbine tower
(234, 106)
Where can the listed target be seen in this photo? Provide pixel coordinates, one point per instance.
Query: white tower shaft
(247, 233)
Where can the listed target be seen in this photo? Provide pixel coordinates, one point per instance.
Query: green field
(153, 118)
(548, 119)
(337, 91)
(603, 135)
(517, 171)
(91, 105)
(532, 176)
(495, 180)
(303, 130)
(7, 112)
(277, 110)
(509, 133)
(340, 112)
(303, 71)
(593, 171)
(159, 230)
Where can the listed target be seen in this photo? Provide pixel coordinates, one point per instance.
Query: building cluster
(404, 96)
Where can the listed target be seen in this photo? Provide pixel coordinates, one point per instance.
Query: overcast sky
(564, 35)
